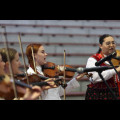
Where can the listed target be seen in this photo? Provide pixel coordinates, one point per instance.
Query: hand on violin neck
(50, 79)
(51, 83)
(80, 76)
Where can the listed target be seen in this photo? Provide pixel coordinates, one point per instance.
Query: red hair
(29, 53)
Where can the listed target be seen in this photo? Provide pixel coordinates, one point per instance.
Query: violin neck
(46, 67)
(41, 84)
(20, 75)
(43, 77)
(70, 69)
(22, 84)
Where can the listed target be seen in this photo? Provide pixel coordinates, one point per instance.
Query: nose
(20, 63)
(112, 45)
(46, 54)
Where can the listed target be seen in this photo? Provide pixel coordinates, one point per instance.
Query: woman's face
(40, 56)
(108, 45)
(16, 64)
(2, 64)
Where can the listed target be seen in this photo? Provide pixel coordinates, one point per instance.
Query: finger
(46, 87)
(50, 79)
(36, 89)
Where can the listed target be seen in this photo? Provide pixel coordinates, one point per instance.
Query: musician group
(34, 83)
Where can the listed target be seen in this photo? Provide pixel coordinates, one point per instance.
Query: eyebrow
(42, 50)
(109, 41)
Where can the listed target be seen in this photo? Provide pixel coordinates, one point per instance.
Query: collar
(103, 56)
(39, 69)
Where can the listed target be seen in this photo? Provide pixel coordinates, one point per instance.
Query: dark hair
(101, 40)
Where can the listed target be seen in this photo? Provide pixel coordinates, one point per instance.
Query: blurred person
(15, 64)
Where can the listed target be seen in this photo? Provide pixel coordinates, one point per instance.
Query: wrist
(76, 78)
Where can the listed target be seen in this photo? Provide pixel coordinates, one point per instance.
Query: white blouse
(106, 74)
(55, 93)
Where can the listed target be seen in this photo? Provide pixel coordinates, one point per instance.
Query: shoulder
(30, 70)
(97, 56)
(91, 62)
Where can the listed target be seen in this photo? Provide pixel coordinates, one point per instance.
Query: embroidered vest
(111, 81)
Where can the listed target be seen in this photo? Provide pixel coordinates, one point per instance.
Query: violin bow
(64, 75)
(10, 66)
(40, 97)
(20, 43)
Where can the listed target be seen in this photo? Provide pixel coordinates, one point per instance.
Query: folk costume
(97, 89)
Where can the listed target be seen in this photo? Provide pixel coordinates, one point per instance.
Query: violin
(36, 79)
(8, 93)
(115, 61)
(52, 70)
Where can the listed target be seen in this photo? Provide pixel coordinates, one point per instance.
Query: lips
(111, 49)
(44, 59)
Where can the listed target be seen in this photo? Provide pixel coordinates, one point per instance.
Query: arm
(70, 86)
(32, 94)
(106, 74)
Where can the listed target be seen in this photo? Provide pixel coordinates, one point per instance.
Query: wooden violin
(36, 79)
(116, 60)
(52, 70)
(7, 83)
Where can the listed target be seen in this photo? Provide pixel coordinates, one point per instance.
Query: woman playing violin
(15, 64)
(40, 60)
(5, 85)
(98, 90)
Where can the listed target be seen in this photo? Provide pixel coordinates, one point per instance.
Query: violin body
(114, 61)
(117, 63)
(53, 71)
(6, 89)
(68, 74)
(32, 78)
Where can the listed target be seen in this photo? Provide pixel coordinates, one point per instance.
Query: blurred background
(79, 38)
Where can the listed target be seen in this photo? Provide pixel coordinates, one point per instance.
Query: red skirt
(99, 91)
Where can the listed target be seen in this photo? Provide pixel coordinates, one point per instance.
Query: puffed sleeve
(30, 71)
(70, 86)
(95, 78)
